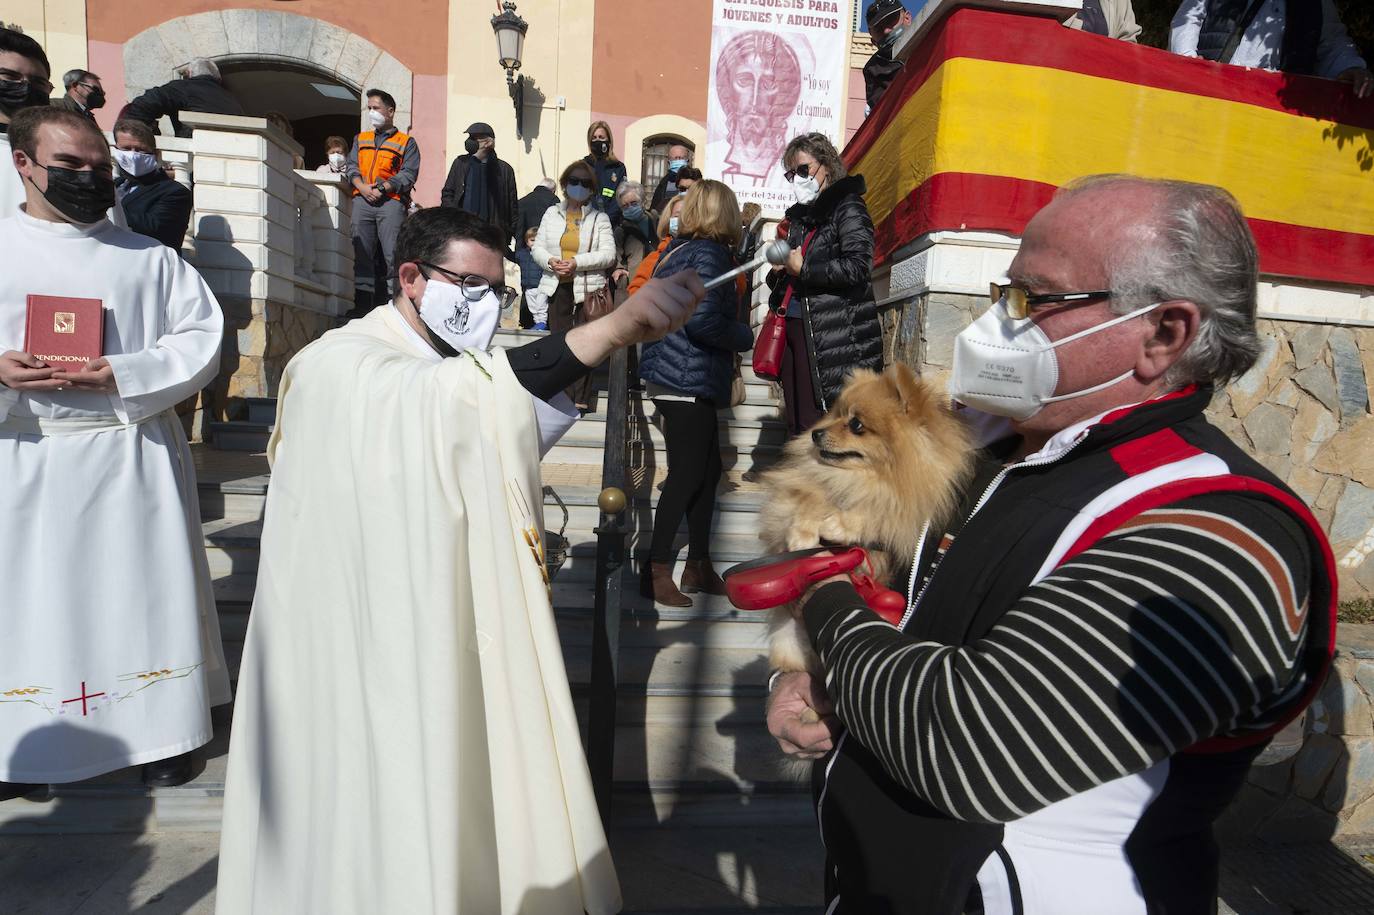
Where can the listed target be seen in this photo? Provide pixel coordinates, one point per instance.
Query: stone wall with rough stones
(1303, 411)
(1326, 788)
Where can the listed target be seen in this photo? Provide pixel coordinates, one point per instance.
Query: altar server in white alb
(109, 646)
(404, 737)
(24, 83)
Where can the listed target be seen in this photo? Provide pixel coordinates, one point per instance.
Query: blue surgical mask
(577, 193)
(672, 225)
(635, 213)
(675, 164)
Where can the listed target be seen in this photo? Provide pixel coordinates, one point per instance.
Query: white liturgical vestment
(109, 646)
(404, 738)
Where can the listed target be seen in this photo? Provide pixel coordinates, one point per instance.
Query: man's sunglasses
(1020, 303)
(588, 183)
(804, 170)
(473, 285)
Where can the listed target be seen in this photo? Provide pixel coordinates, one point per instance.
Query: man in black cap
(887, 20)
(482, 184)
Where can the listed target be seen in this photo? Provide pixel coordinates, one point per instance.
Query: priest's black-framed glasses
(475, 285)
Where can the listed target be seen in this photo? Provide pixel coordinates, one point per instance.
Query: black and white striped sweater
(1182, 625)
(1029, 740)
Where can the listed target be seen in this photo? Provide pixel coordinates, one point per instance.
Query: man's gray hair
(1197, 247)
(200, 66)
(549, 183)
(818, 147)
(72, 77)
(628, 187)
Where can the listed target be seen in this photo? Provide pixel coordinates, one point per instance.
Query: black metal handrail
(610, 557)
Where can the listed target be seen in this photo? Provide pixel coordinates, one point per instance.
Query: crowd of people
(1295, 37)
(1097, 645)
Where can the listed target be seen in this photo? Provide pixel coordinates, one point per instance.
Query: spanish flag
(994, 112)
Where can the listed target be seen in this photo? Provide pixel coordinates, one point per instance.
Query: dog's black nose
(817, 435)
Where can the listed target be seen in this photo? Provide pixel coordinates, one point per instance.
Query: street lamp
(510, 32)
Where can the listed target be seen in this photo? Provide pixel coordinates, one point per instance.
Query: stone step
(755, 422)
(685, 761)
(572, 596)
(232, 548)
(662, 669)
(736, 511)
(739, 436)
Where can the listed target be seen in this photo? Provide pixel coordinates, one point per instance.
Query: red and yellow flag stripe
(995, 111)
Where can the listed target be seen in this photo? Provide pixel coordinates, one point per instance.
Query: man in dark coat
(84, 93)
(886, 20)
(482, 184)
(679, 157)
(154, 204)
(200, 88)
(534, 205)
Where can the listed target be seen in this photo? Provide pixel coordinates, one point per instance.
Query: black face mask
(96, 99)
(601, 147)
(16, 94)
(83, 197)
(470, 145)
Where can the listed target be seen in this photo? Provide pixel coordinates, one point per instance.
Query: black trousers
(798, 391)
(562, 318)
(693, 438)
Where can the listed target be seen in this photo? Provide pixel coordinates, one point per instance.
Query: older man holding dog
(1124, 611)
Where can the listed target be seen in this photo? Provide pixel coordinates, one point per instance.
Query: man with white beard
(109, 647)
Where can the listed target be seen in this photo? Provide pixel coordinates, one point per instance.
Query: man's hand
(97, 376)
(372, 194)
(618, 274)
(1361, 81)
(794, 262)
(22, 372)
(655, 311)
(800, 716)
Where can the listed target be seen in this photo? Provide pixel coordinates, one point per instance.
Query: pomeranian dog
(887, 458)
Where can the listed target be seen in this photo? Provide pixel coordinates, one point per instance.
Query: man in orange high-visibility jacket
(382, 167)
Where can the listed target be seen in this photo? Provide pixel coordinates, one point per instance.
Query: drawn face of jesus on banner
(758, 83)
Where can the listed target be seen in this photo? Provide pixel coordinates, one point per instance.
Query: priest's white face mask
(461, 311)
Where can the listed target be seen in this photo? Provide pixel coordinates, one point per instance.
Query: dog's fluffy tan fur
(888, 457)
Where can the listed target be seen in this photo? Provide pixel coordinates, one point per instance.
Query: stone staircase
(704, 820)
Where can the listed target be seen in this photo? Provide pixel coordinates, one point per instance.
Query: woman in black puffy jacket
(688, 375)
(832, 321)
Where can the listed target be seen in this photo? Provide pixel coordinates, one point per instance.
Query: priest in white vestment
(404, 737)
(24, 83)
(109, 647)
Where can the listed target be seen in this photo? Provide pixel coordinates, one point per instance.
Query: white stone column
(244, 227)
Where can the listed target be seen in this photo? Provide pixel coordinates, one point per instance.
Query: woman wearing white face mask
(575, 246)
(153, 203)
(335, 156)
(825, 286)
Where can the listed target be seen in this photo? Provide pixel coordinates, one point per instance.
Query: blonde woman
(688, 375)
(667, 227)
(575, 246)
(610, 171)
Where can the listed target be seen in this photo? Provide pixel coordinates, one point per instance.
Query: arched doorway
(310, 70)
(316, 106)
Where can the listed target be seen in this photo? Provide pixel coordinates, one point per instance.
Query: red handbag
(772, 339)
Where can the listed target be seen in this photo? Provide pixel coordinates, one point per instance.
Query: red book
(65, 333)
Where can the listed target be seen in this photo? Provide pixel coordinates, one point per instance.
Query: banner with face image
(779, 68)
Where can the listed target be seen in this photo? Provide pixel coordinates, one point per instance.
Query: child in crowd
(530, 275)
